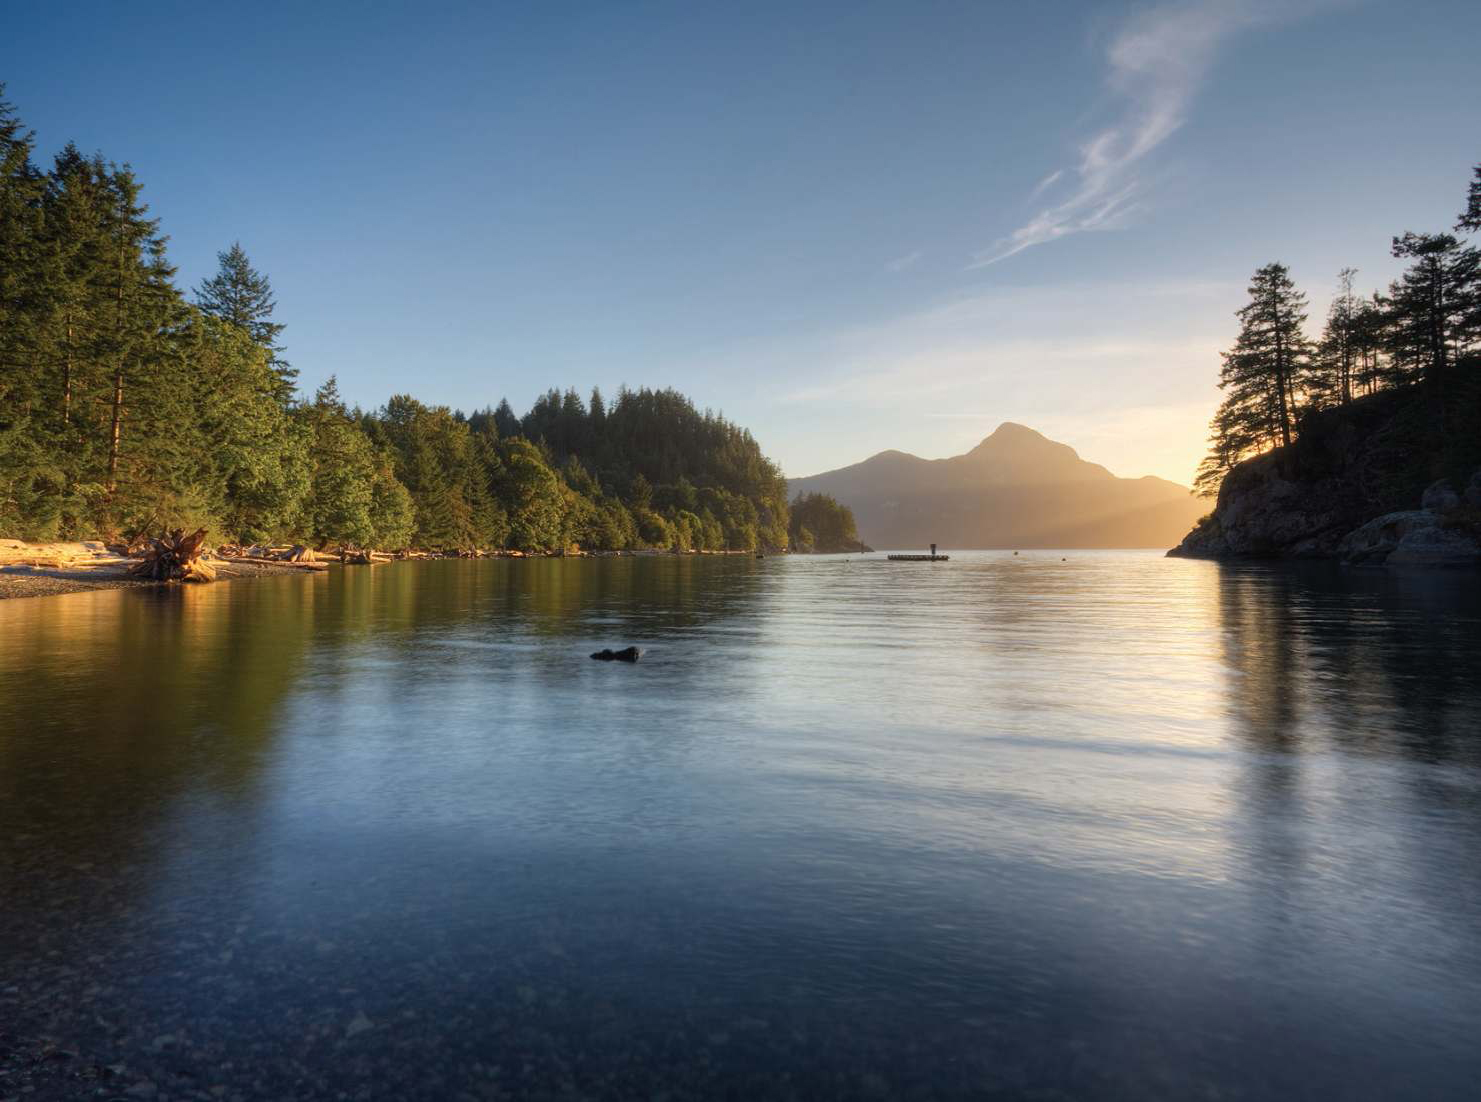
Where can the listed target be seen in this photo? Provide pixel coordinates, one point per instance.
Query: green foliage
(819, 523)
(30, 486)
(338, 507)
(1427, 327)
(392, 511)
(240, 295)
(531, 496)
(257, 454)
(123, 409)
(1432, 306)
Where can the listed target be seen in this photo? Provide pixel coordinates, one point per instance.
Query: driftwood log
(175, 557)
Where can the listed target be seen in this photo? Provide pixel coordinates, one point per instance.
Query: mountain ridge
(1015, 488)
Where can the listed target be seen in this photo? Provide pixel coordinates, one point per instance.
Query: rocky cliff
(1385, 480)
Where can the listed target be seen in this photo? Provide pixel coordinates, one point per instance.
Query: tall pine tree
(240, 294)
(1470, 218)
(1334, 366)
(1260, 374)
(1433, 304)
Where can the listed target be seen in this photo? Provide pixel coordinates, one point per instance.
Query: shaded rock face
(1440, 497)
(1418, 537)
(1348, 488)
(1264, 511)
(1271, 517)
(1473, 491)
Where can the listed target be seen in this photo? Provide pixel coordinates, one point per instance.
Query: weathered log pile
(91, 555)
(175, 557)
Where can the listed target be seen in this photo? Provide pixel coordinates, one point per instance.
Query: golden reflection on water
(1089, 788)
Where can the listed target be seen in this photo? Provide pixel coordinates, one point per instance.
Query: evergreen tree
(27, 471)
(1368, 341)
(123, 409)
(1329, 380)
(253, 455)
(530, 493)
(142, 307)
(1470, 218)
(1433, 305)
(505, 420)
(21, 296)
(339, 506)
(75, 217)
(1260, 373)
(820, 523)
(238, 293)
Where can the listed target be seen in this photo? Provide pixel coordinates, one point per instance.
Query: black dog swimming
(627, 654)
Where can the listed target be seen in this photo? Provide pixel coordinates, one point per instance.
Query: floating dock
(932, 557)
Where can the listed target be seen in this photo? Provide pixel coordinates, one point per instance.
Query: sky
(848, 227)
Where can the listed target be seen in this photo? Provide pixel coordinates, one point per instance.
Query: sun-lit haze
(850, 227)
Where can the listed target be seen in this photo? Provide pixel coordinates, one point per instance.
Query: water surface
(1093, 825)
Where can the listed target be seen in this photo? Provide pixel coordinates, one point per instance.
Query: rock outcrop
(627, 654)
(1411, 538)
(1473, 491)
(1347, 489)
(1440, 497)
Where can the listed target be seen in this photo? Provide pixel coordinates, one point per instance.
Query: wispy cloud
(1028, 338)
(1046, 183)
(901, 263)
(1156, 62)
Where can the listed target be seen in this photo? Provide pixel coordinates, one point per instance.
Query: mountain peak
(1017, 488)
(1009, 429)
(1014, 444)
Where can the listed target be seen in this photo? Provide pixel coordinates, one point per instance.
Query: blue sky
(849, 227)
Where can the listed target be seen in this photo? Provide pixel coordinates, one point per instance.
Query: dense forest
(821, 524)
(127, 407)
(1422, 334)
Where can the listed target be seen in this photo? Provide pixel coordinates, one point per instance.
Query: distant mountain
(1015, 489)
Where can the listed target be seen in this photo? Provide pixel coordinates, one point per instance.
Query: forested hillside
(127, 406)
(1424, 332)
(1374, 427)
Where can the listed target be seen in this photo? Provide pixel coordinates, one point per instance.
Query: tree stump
(175, 557)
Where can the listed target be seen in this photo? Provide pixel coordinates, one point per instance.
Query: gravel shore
(46, 585)
(48, 582)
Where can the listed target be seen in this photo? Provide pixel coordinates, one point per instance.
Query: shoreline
(21, 582)
(57, 569)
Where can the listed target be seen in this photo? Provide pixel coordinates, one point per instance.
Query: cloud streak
(1156, 63)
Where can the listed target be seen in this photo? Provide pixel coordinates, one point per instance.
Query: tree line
(821, 524)
(127, 407)
(1424, 331)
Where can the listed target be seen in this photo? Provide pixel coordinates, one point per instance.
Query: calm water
(1113, 827)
